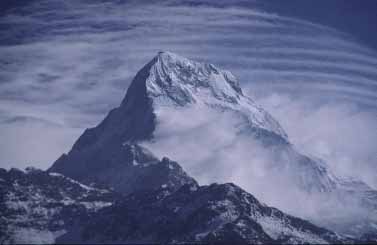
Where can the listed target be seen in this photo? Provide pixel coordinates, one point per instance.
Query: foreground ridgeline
(41, 207)
(110, 188)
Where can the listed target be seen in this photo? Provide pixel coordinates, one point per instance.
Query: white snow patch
(229, 215)
(135, 163)
(276, 228)
(56, 175)
(201, 235)
(88, 188)
(33, 236)
(96, 205)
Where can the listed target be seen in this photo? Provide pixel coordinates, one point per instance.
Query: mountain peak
(170, 80)
(167, 55)
(167, 82)
(174, 79)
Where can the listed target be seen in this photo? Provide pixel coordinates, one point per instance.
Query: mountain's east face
(175, 81)
(114, 153)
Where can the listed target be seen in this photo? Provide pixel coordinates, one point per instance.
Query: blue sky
(65, 64)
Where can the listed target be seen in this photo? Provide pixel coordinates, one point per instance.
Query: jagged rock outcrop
(214, 213)
(37, 207)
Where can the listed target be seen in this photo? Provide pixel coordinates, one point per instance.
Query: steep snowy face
(178, 80)
(201, 109)
(175, 81)
(193, 98)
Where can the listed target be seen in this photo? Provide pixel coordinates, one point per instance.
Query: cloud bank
(343, 134)
(208, 145)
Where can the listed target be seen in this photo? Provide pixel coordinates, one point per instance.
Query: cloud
(32, 142)
(208, 145)
(343, 134)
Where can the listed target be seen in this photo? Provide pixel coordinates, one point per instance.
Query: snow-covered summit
(183, 81)
(175, 81)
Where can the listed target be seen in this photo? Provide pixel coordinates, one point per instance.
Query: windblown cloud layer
(342, 134)
(217, 153)
(66, 63)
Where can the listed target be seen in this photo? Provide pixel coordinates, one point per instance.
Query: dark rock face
(109, 154)
(215, 213)
(133, 168)
(101, 147)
